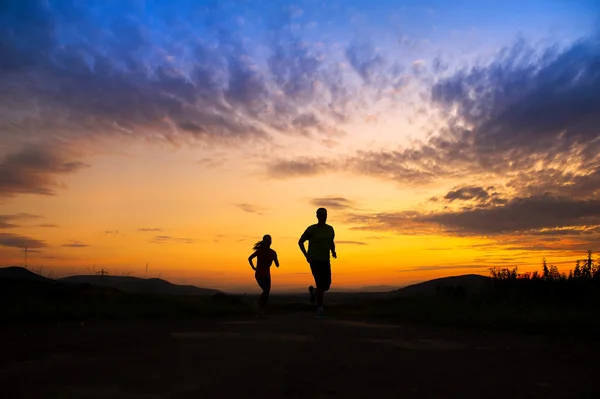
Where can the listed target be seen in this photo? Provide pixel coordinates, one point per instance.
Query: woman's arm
(250, 260)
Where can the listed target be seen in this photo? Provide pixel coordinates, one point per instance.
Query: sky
(164, 138)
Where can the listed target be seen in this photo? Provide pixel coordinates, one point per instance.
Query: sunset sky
(444, 137)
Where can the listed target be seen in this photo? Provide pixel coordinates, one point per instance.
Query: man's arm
(276, 260)
(333, 244)
(305, 236)
(250, 260)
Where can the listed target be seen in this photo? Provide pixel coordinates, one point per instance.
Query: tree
(546, 272)
(577, 271)
(587, 266)
(553, 273)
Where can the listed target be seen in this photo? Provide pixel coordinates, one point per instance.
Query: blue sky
(458, 119)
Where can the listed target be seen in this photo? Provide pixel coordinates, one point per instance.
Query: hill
(20, 273)
(471, 282)
(131, 284)
(378, 288)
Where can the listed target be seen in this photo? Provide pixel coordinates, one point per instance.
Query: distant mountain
(139, 285)
(378, 288)
(20, 273)
(471, 282)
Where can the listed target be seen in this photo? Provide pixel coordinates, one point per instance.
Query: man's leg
(324, 281)
(322, 274)
(312, 292)
(320, 293)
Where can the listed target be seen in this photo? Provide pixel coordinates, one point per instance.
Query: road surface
(289, 356)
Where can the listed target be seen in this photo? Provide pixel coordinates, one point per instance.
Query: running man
(266, 256)
(320, 241)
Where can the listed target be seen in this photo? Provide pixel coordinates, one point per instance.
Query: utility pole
(102, 272)
(25, 256)
(146, 276)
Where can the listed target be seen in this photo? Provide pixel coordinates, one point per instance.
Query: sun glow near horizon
(441, 139)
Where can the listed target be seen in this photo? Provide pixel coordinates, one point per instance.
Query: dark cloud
(365, 60)
(529, 117)
(150, 229)
(351, 242)
(47, 225)
(521, 214)
(467, 193)
(251, 208)
(332, 203)
(8, 221)
(34, 170)
(112, 232)
(528, 101)
(169, 240)
(376, 70)
(528, 223)
(76, 244)
(177, 74)
(19, 241)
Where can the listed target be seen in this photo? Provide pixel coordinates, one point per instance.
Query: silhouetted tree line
(583, 280)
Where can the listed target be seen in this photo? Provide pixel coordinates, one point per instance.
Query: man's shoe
(321, 314)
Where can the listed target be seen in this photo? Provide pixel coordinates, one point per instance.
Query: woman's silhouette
(266, 256)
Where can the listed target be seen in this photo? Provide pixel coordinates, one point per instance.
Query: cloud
(332, 203)
(299, 167)
(211, 163)
(81, 77)
(529, 117)
(544, 222)
(112, 232)
(365, 60)
(351, 242)
(467, 193)
(33, 170)
(521, 215)
(169, 239)
(175, 74)
(47, 225)
(405, 222)
(19, 241)
(251, 208)
(150, 229)
(8, 221)
(528, 101)
(76, 244)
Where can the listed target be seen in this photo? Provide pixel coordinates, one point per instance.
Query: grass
(479, 312)
(33, 302)
(42, 302)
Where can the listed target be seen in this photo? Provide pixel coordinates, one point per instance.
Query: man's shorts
(321, 271)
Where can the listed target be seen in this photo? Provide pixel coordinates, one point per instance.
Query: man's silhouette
(320, 241)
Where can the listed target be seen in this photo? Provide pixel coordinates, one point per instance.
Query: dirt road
(286, 357)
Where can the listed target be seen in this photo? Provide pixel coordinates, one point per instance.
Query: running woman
(266, 256)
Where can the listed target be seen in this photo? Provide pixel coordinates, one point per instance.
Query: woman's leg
(266, 290)
(265, 284)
